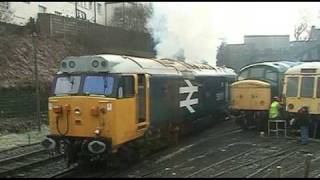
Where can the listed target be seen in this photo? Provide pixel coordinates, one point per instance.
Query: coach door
(143, 101)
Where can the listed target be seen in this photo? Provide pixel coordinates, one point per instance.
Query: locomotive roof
(281, 66)
(129, 64)
(305, 68)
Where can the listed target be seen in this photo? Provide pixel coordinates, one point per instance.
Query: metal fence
(20, 103)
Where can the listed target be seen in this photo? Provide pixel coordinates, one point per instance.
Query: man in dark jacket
(303, 121)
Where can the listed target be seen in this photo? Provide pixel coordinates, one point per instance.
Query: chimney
(312, 35)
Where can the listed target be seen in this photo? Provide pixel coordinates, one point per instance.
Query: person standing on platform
(303, 121)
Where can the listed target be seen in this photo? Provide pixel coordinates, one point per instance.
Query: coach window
(307, 86)
(126, 87)
(292, 86)
(318, 88)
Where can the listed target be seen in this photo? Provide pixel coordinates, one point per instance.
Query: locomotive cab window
(126, 87)
(243, 75)
(307, 86)
(292, 87)
(98, 85)
(318, 88)
(66, 85)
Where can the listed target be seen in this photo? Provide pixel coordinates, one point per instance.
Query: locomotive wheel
(67, 155)
(244, 124)
(128, 155)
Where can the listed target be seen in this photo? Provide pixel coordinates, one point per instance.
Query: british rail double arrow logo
(188, 102)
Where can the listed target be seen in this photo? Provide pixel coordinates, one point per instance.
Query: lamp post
(36, 82)
(95, 12)
(76, 9)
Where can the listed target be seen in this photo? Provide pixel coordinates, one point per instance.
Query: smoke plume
(183, 30)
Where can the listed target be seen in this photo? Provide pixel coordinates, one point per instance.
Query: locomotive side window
(141, 98)
(67, 85)
(101, 85)
(127, 86)
(257, 72)
(271, 75)
(307, 85)
(292, 87)
(318, 88)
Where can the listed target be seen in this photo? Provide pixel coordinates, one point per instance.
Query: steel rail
(214, 136)
(215, 164)
(21, 156)
(26, 166)
(269, 165)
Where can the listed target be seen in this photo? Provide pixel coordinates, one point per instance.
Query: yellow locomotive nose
(79, 116)
(250, 95)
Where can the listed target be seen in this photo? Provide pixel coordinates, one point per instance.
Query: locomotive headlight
(77, 112)
(95, 63)
(290, 106)
(72, 64)
(97, 132)
(103, 64)
(50, 106)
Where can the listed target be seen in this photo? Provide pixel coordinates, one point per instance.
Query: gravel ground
(17, 139)
(237, 154)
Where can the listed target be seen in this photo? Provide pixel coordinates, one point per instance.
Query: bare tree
(6, 15)
(132, 17)
(301, 29)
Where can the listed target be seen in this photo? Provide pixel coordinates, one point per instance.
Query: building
(126, 15)
(22, 11)
(260, 48)
(262, 42)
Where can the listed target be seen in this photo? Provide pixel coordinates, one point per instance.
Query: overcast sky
(235, 19)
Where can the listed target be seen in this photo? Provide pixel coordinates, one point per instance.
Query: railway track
(164, 156)
(118, 172)
(247, 164)
(183, 164)
(19, 150)
(11, 167)
(67, 172)
(38, 163)
(294, 166)
(30, 160)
